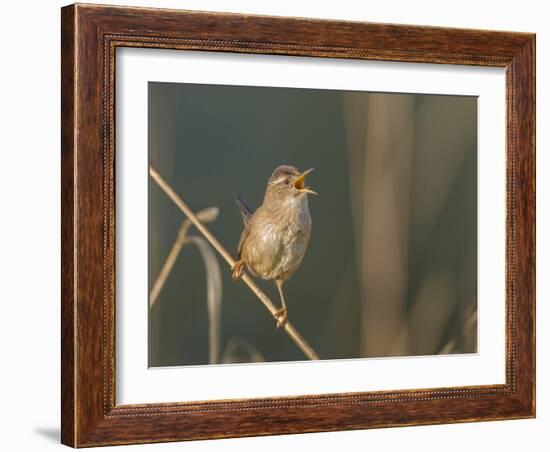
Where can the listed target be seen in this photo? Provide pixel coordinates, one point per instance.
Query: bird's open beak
(300, 183)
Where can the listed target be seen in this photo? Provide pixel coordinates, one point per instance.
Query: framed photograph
(281, 225)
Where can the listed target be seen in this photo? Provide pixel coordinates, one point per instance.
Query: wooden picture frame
(90, 35)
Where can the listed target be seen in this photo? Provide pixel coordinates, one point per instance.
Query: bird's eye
(286, 182)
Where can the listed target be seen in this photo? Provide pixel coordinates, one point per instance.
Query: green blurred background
(391, 267)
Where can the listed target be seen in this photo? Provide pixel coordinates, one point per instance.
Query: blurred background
(391, 267)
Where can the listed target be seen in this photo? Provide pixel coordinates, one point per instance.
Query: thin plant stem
(206, 216)
(213, 294)
(213, 277)
(288, 327)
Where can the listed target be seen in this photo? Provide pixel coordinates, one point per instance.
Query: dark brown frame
(90, 34)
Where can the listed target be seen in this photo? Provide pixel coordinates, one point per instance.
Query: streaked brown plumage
(276, 235)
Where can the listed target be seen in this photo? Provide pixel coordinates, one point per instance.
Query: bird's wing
(246, 211)
(244, 236)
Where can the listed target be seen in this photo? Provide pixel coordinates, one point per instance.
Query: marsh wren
(276, 235)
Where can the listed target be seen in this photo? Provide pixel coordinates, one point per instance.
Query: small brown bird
(276, 235)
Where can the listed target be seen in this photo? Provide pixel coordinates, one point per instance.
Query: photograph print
(353, 212)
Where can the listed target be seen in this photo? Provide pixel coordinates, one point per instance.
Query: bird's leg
(237, 269)
(280, 315)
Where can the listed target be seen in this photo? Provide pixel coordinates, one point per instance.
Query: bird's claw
(281, 318)
(237, 270)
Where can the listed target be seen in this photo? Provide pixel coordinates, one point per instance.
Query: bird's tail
(246, 211)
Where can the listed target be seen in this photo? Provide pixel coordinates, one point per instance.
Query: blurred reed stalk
(213, 277)
(239, 350)
(288, 328)
(206, 216)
